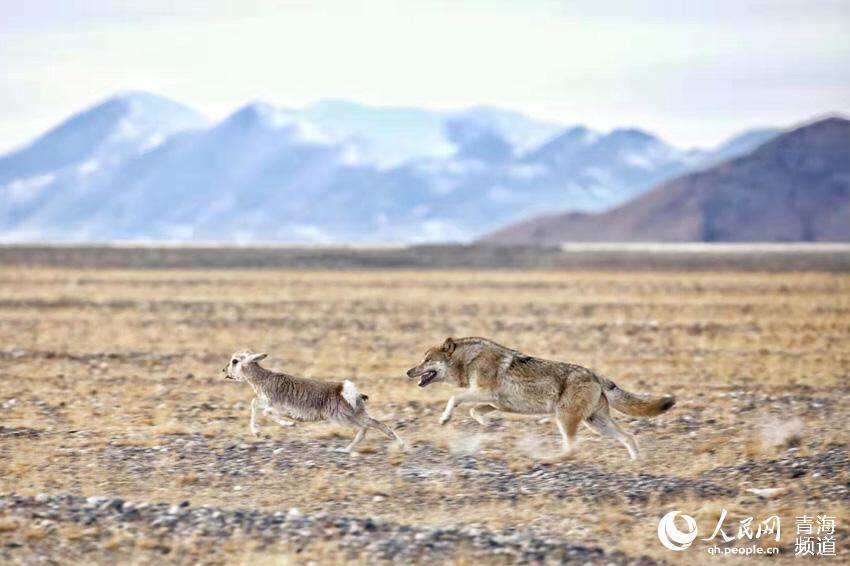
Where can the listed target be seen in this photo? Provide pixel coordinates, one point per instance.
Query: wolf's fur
(286, 398)
(496, 378)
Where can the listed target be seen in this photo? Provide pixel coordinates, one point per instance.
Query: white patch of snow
(353, 155)
(152, 142)
(127, 130)
(452, 166)
(310, 133)
(438, 230)
(88, 167)
(22, 190)
(529, 171)
(283, 119)
(590, 137)
(443, 186)
(499, 194)
(309, 233)
(599, 175)
(636, 160)
(179, 232)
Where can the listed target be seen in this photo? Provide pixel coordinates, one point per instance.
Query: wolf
(495, 378)
(286, 398)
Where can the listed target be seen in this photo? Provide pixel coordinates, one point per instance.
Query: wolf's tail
(635, 405)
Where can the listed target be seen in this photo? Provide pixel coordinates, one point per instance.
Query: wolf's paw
(568, 453)
(444, 419)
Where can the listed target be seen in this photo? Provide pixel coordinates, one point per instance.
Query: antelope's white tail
(351, 394)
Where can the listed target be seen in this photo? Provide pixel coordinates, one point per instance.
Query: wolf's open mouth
(427, 377)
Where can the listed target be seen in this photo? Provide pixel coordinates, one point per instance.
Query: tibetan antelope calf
(286, 398)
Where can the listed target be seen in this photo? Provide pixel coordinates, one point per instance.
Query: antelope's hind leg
(361, 432)
(280, 419)
(367, 421)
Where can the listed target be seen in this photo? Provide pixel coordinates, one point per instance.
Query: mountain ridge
(793, 187)
(148, 168)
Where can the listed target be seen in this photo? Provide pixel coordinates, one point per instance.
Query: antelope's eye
(235, 361)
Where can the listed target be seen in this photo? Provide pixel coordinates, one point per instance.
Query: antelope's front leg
(254, 429)
(464, 397)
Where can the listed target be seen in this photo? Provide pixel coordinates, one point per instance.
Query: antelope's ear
(254, 358)
(449, 346)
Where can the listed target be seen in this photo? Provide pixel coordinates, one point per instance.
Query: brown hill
(793, 188)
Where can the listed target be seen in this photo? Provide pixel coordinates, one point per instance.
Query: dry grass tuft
(7, 524)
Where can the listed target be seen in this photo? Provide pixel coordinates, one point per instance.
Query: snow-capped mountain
(138, 166)
(392, 136)
(113, 130)
(795, 187)
(737, 145)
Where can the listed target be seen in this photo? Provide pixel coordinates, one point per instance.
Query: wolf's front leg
(477, 412)
(254, 429)
(464, 397)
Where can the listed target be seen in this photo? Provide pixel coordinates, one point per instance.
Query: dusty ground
(120, 441)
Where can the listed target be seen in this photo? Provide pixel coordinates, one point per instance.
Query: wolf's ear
(449, 346)
(254, 358)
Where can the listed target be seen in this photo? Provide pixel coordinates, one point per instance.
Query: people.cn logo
(670, 535)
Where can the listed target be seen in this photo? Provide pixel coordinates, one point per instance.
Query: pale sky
(692, 71)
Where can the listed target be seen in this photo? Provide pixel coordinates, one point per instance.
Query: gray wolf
(495, 378)
(286, 398)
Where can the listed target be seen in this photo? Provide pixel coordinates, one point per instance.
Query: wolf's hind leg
(602, 423)
(573, 408)
(568, 426)
(478, 411)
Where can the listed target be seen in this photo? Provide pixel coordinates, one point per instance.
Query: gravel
(483, 478)
(830, 467)
(356, 538)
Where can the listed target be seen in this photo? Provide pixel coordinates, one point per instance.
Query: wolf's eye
(235, 361)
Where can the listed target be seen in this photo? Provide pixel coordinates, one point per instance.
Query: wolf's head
(235, 367)
(435, 365)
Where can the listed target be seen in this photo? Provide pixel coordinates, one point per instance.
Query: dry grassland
(110, 384)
